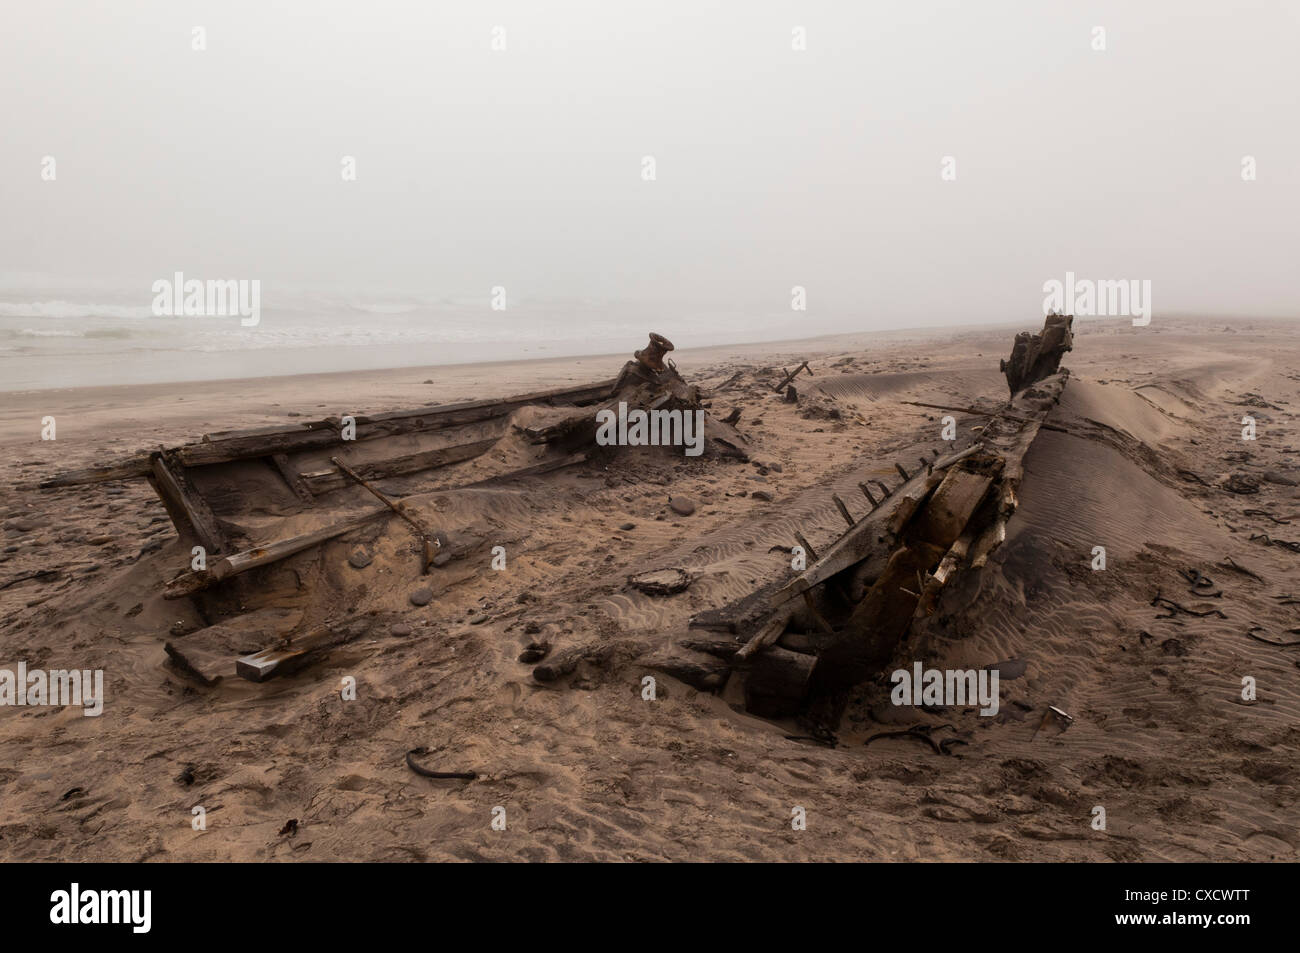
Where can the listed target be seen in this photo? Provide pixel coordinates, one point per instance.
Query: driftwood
(791, 375)
(661, 582)
(718, 648)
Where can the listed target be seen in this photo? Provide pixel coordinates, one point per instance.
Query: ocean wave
(50, 333)
(72, 309)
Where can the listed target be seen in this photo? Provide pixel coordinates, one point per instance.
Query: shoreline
(130, 413)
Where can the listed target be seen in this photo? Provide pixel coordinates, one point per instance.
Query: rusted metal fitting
(652, 355)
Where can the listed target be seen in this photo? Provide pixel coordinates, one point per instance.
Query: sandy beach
(1145, 439)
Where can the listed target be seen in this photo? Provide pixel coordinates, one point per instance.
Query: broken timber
(891, 563)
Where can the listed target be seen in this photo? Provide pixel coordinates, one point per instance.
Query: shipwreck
(242, 498)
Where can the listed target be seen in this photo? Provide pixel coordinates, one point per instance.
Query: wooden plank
(190, 513)
(205, 667)
(858, 542)
(951, 506)
(248, 447)
(267, 431)
(208, 655)
(129, 469)
(281, 464)
(776, 685)
(323, 481)
(296, 651)
(584, 392)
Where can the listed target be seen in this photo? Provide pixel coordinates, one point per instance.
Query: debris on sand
(661, 582)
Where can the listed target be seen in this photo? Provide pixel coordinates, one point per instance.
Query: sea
(62, 340)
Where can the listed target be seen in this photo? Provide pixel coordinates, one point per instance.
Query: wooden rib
(807, 547)
(844, 511)
(189, 512)
(866, 491)
(291, 477)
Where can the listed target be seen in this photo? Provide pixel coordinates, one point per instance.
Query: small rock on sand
(359, 558)
(627, 526)
(421, 597)
(763, 495)
(681, 505)
(1273, 476)
(401, 629)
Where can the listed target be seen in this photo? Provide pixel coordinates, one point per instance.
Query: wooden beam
(257, 443)
(323, 481)
(130, 469)
(791, 375)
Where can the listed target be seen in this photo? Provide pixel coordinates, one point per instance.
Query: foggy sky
(775, 167)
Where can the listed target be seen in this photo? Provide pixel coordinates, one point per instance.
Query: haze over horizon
(775, 167)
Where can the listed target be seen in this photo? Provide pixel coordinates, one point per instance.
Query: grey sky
(775, 167)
